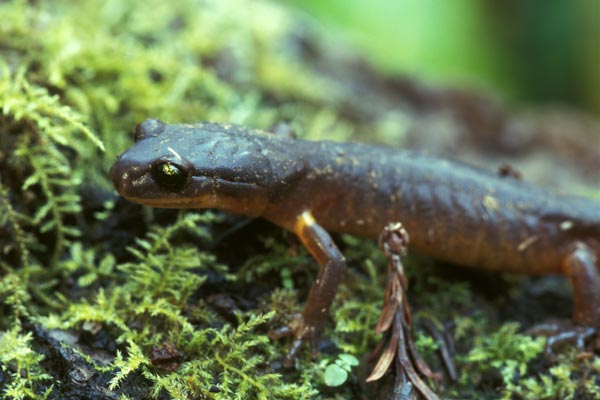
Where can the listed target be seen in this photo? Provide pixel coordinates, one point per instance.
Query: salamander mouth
(200, 192)
(179, 202)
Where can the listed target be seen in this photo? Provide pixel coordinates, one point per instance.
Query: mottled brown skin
(452, 211)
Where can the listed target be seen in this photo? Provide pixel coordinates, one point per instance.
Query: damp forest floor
(101, 298)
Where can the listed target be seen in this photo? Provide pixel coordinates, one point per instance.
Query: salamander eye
(169, 175)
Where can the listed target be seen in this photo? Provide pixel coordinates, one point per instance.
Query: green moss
(511, 354)
(21, 364)
(156, 287)
(506, 351)
(75, 78)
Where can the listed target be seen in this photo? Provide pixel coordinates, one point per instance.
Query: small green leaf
(348, 360)
(107, 264)
(87, 279)
(286, 278)
(335, 375)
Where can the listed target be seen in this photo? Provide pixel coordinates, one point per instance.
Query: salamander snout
(117, 177)
(128, 176)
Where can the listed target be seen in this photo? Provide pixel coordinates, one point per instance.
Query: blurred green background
(527, 50)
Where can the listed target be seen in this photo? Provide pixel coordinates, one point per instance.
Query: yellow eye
(169, 175)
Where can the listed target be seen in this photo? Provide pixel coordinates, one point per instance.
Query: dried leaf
(385, 360)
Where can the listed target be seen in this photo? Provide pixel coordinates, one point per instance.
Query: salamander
(452, 211)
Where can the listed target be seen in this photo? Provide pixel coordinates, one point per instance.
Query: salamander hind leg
(582, 266)
(332, 264)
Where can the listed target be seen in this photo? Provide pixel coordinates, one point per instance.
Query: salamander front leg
(582, 266)
(321, 295)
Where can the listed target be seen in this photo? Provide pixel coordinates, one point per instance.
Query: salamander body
(452, 211)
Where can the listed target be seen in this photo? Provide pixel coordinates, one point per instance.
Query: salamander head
(198, 166)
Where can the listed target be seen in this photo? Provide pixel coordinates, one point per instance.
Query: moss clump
(510, 355)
